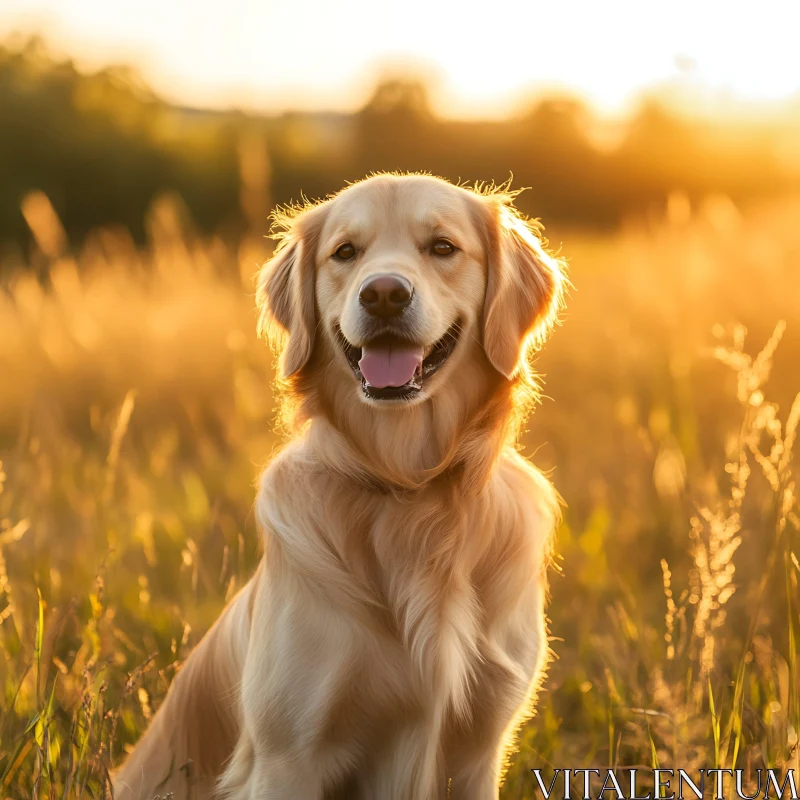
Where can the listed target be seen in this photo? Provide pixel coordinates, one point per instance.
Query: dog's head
(398, 285)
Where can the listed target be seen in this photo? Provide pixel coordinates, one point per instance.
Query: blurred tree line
(102, 146)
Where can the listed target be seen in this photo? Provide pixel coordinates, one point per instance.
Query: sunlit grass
(136, 408)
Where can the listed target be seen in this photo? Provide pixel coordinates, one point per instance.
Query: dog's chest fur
(423, 580)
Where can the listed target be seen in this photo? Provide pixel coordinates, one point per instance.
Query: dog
(393, 637)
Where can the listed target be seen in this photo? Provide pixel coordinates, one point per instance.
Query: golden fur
(393, 637)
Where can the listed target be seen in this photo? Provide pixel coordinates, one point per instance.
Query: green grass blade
(37, 652)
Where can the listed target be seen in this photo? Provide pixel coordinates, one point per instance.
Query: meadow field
(137, 408)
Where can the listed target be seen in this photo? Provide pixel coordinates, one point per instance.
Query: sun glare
(308, 54)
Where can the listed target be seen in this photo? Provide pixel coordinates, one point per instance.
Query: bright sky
(485, 55)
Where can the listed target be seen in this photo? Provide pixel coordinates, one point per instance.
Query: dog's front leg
(275, 777)
(297, 678)
(475, 748)
(409, 767)
(512, 664)
(475, 752)
(479, 779)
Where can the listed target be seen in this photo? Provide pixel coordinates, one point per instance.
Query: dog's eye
(441, 247)
(345, 252)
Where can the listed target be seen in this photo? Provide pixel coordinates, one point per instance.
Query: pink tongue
(389, 365)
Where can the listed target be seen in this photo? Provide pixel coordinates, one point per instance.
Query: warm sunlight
(269, 55)
(511, 500)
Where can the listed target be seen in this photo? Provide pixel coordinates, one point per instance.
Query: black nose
(385, 295)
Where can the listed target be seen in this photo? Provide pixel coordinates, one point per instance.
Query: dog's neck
(456, 435)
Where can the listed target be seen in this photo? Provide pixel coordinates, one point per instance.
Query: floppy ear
(285, 294)
(524, 290)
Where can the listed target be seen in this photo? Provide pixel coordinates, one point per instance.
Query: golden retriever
(393, 637)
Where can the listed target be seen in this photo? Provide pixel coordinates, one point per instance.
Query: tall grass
(136, 409)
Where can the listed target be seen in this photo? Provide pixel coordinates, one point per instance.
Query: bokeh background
(142, 147)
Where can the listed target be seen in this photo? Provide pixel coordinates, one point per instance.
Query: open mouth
(393, 368)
